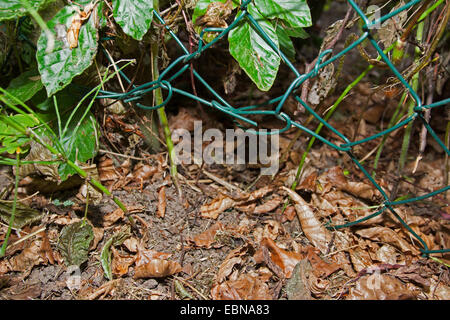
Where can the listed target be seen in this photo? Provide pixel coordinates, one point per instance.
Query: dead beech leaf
(360, 259)
(157, 268)
(285, 260)
(216, 207)
(245, 287)
(363, 190)
(311, 226)
(145, 256)
(161, 211)
(389, 236)
(121, 263)
(268, 206)
(31, 256)
(207, 238)
(98, 236)
(106, 170)
(131, 244)
(143, 172)
(241, 201)
(231, 260)
(112, 217)
(288, 214)
(380, 287)
(387, 254)
(320, 267)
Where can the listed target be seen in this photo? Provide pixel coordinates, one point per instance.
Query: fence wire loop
(239, 113)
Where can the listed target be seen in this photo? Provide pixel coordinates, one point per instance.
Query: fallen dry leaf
(320, 267)
(233, 258)
(216, 207)
(363, 190)
(106, 169)
(389, 236)
(132, 244)
(157, 268)
(35, 254)
(208, 237)
(153, 264)
(110, 218)
(311, 226)
(285, 260)
(288, 214)
(268, 206)
(121, 262)
(245, 287)
(380, 287)
(240, 201)
(161, 211)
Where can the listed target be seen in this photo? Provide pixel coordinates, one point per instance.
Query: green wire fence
(184, 62)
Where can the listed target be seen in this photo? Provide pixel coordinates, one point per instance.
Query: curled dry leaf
(216, 207)
(38, 252)
(106, 170)
(380, 287)
(363, 190)
(245, 287)
(268, 206)
(311, 226)
(320, 267)
(131, 244)
(285, 260)
(161, 211)
(208, 237)
(112, 217)
(288, 214)
(389, 236)
(157, 268)
(231, 260)
(153, 264)
(121, 262)
(241, 201)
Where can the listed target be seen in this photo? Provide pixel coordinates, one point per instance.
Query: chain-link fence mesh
(183, 64)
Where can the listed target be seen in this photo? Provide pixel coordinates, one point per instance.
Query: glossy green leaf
(285, 42)
(254, 55)
(134, 16)
(59, 66)
(11, 9)
(24, 87)
(295, 12)
(74, 242)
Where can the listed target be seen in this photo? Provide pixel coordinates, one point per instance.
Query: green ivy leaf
(254, 55)
(62, 64)
(24, 87)
(295, 12)
(134, 16)
(74, 242)
(285, 41)
(12, 9)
